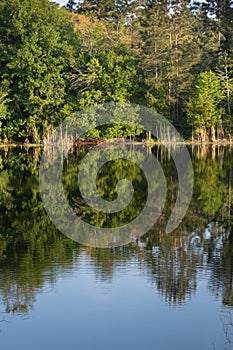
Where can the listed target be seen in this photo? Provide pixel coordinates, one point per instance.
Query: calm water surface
(161, 292)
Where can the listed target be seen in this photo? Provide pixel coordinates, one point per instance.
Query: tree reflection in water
(33, 252)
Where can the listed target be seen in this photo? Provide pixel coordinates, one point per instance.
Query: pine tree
(169, 49)
(224, 73)
(112, 10)
(219, 14)
(101, 9)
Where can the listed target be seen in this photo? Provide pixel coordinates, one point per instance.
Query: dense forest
(173, 56)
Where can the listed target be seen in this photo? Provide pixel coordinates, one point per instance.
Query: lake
(161, 291)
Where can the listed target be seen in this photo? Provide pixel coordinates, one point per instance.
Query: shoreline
(146, 143)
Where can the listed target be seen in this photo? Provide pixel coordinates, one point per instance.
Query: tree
(204, 108)
(36, 51)
(219, 14)
(225, 74)
(4, 99)
(110, 10)
(91, 34)
(97, 8)
(168, 45)
(108, 77)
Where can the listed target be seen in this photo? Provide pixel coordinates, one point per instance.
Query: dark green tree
(97, 8)
(219, 15)
(35, 53)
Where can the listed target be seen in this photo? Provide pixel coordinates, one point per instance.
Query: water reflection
(34, 254)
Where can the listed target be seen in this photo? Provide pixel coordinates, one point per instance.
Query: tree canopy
(55, 61)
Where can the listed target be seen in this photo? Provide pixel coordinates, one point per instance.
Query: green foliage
(55, 61)
(34, 58)
(108, 77)
(204, 108)
(3, 104)
(112, 11)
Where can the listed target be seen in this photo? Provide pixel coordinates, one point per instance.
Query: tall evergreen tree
(98, 8)
(219, 14)
(225, 73)
(111, 10)
(169, 50)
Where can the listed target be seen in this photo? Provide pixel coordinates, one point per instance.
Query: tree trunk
(213, 137)
(148, 136)
(219, 48)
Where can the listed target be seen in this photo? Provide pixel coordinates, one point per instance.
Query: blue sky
(61, 2)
